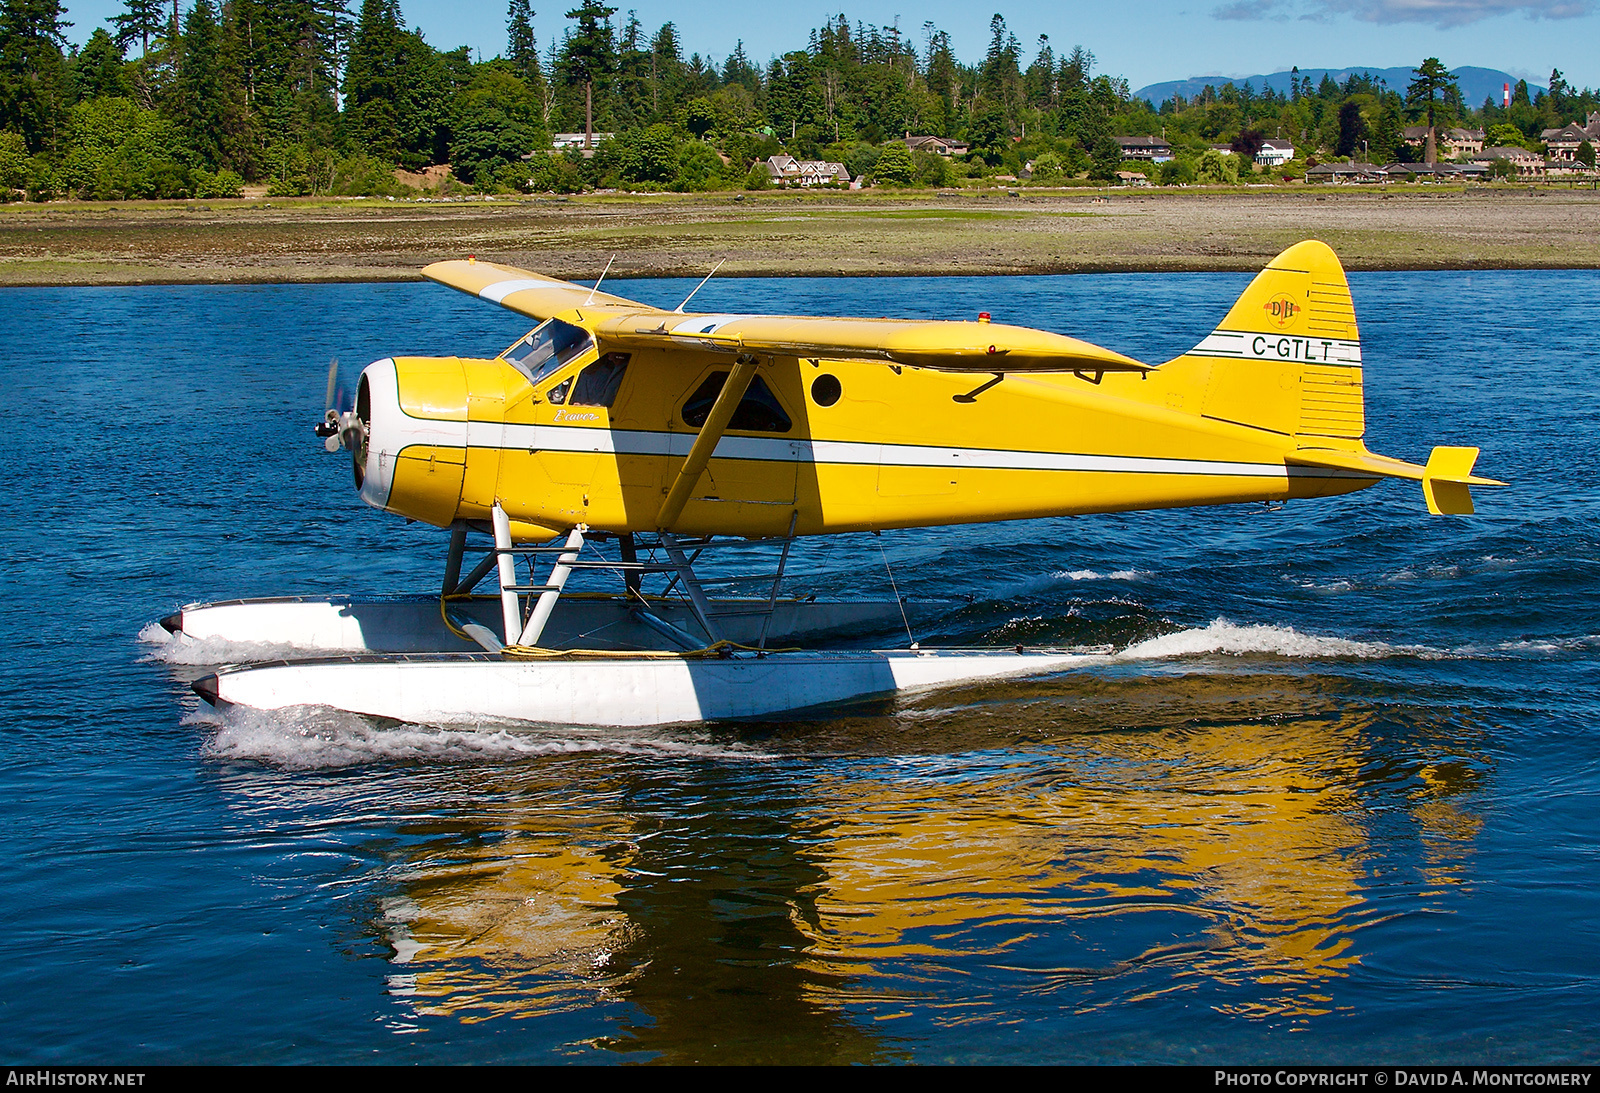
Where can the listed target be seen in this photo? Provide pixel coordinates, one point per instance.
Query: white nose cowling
(390, 430)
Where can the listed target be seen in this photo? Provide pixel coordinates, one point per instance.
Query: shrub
(224, 183)
(1048, 168)
(932, 169)
(1215, 168)
(554, 175)
(894, 166)
(13, 164)
(699, 167)
(758, 178)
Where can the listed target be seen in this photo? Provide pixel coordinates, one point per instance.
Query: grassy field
(780, 234)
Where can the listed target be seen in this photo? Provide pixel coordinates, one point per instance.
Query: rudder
(1287, 357)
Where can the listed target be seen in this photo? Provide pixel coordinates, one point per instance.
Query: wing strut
(738, 381)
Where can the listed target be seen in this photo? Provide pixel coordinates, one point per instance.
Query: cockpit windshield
(548, 347)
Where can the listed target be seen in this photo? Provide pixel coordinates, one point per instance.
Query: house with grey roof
(1344, 172)
(1451, 143)
(1434, 172)
(1563, 143)
(942, 146)
(1154, 149)
(1524, 164)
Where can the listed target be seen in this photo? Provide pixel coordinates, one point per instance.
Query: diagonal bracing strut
(733, 389)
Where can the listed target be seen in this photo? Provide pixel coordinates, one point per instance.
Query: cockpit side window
(758, 412)
(546, 348)
(599, 383)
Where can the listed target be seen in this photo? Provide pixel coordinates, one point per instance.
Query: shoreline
(787, 234)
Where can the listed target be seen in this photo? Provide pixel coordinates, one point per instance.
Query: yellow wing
(624, 324)
(530, 294)
(947, 346)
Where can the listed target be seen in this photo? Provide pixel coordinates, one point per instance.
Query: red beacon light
(983, 316)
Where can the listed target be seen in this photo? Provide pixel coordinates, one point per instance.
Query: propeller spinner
(342, 426)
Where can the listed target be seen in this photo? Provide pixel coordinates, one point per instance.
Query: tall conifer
(589, 55)
(32, 72)
(522, 47)
(199, 94)
(370, 89)
(140, 21)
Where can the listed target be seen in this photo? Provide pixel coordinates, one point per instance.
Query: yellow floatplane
(661, 435)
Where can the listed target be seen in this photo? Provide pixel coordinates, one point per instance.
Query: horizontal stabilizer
(1444, 480)
(1379, 466)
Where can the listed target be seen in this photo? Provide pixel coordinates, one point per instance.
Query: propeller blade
(333, 384)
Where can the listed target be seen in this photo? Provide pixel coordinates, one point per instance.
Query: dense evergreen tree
(1352, 128)
(589, 55)
(522, 47)
(247, 91)
(99, 70)
(200, 99)
(32, 70)
(372, 80)
(141, 21)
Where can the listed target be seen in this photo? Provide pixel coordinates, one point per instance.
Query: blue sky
(1148, 41)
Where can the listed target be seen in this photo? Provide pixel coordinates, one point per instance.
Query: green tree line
(193, 99)
(1364, 119)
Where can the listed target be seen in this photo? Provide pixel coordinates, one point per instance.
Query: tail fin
(1446, 478)
(1288, 355)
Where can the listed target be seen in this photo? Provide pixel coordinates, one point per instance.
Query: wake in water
(1234, 639)
(1091, 575)
(171, 649)
(1223, 636)
(318, 738)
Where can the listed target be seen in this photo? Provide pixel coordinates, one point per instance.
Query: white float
(597, 690)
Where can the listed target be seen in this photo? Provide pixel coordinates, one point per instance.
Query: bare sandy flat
(768, 234)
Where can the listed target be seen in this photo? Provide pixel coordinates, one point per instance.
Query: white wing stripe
(497, 292)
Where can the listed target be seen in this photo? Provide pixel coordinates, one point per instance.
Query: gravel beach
(786, 234)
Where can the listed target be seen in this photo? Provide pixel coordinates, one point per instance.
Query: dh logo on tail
(1280, 310)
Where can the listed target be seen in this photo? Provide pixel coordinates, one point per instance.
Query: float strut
(697, 597)
(452, 561)
(630, 554)
(777, 581)
(558, 580)
(510, 608)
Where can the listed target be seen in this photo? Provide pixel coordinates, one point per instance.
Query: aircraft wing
(947, 346)
(530, 294)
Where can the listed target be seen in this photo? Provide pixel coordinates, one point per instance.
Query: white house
(806, 172)
(1275, 153)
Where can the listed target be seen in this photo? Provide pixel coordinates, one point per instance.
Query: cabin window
(558, 394)
(758, 412)
(546, 348)
(599, 383)
(825, 389)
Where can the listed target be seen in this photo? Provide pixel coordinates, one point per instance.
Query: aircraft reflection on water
(765, 908)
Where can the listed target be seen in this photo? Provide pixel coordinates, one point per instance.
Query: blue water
(1334, 801)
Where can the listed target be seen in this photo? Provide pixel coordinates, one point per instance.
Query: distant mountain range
(1476, 84)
